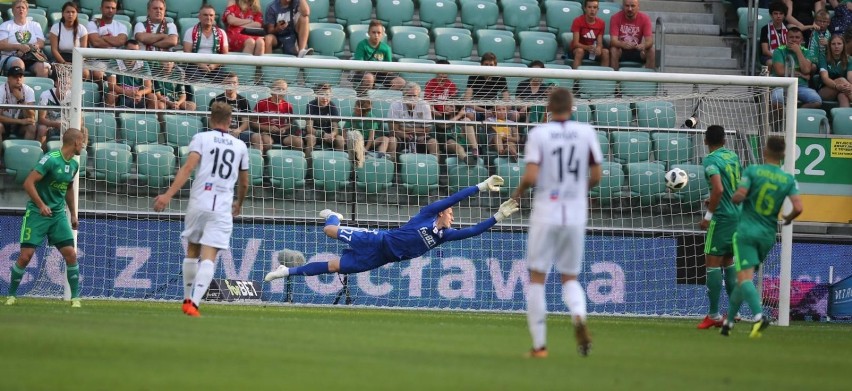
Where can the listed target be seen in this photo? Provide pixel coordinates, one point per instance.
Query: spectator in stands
(482, 88)
(22, 42)
(411, 122)
(802, 69)
(632, 36)
(503, 134)
(835, 71)
(67, 34)
(277, 130)
(440, 91)
(774, 34)
(106, 33)
(588, 32)
(170, 93)
(319, 125)
(244, 14)
(49, 123)
(842, 20)
(239, 123)
(801, 13)
(16, 121)
(369, 129)
(156, 32)
(287, 24)
(205, 37)
(847, 37)
(131, 87)
(818, 44)
(533, 90)
(375, 49)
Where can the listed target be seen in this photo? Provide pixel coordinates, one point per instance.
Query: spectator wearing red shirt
(244, 14)
(588, 32)
(632, 36)
(442, 89)
(277, 129)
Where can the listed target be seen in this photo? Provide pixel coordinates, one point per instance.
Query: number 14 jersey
(222, 158)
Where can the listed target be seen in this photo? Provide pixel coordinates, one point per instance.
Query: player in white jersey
(563, 162)
(210, 216)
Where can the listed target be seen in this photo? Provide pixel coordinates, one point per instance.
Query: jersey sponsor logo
(427, 237)
(61, 186)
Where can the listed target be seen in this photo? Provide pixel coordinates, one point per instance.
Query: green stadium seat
(352, 12)
(375, 176)
(461, 80)
(90, 6)
(319, 10)
(582, 113)
(315, 76)
(609, 188)
(395, 12)
(596, 88)
(135, 9)
(183, 9)
(139, 128)
(512, 81)
(697, 189)
(511, 172)
(331, 169)
(254, 96)
(41, 20)
(345, 104)
(112, 165)
(638, 88)
(559, 15)
(287, 169)
(39, 85)
(268, 74)
(521, 16)
(180, 128)
(537, 45)
(452, 162)
(418, 173)
(382, 100)
(156, 168)
(497, 42)
(410, 44)
(203, 96)
(603, 140)
(655, 115)
(613, 115)
(841, 121)
(630, 146)
(763, 18)
(438, 13)
(91, 94)
(479, 15)
(606, 10)
(811, 121)
(101, 125)
(299, 98)
(417, 76)
(183, 25)
(246, 74)
(672, 148)
(140, 148)
(53, 145)
(20, 156)
(453, 43)
(463, 176)
(255, 167)
(647, 182)
(327, 41)
(108, 145)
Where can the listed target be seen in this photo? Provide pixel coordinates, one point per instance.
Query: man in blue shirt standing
(371, 249)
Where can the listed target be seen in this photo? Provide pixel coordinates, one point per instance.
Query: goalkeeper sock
(730, 279)
(310, 269)
(332, 220)
(73, 275)
(15, 279)
(574, 297)
(536, 314)
(190, 267)
(714, 289)
(206, 268)
(752, 298)
(734, 303)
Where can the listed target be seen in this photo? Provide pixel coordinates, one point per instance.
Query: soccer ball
(676, 179)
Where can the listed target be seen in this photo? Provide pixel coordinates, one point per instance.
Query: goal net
(644, 251)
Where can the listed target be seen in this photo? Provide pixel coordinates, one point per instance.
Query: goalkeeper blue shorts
(364, 252)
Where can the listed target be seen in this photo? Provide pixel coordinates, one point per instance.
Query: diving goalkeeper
(371, 249)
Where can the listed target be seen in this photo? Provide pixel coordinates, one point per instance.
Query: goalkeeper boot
(709, 322)
(584, 340)
(187, 303)
(281, 272)
(726, 329)
(75, 303)
(11, 300)
(328, 212)
(537, 353)
(758, 327)
(192, 310)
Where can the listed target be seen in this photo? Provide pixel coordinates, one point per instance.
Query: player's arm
(29, 187)
(493, 183)
(182, 176)
(527, 181)
(459, 234)
(740, 195)
(242, 190)
(716, 190)
(797, 208)
(72, 207)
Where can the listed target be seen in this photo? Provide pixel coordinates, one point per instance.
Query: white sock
(190, 267)
(575, 299)
(536, 314)
(206, 268)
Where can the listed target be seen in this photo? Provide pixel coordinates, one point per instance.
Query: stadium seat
(352, 12)
(672, 148)
(438, 13)
(345, 104)
(630, 146)
(109, 145)
(135, 8)
(603, 141)
(479, 15)
(763, 18)
(536, 45)
(497, 42)
(453, 44)
(183, 25)
(299, 98)
(841, 121)
(613, 115)
(327, 41)
(268, 73)
(382, 100)
(410, 44)
(462, 176)
(52, 145)
(41, 20)
(811, 121)
(112, 165)
(254, 96)
(520, 15)
(638, 88)
(596, 88)
(315, 76)
(375, 176)
(101, 125)
(582, 113)
(559, 15)
(452, 162)
(156, 168)
(697, 189)
(91, 6)
(418, 173)
(255, 167)
(246, 74)
(326, 25)
(20, 156)
(319, 10)
(609, 188)
(417, 76)
(511, 172)
(513, 81)
(203, 96)
(331, 169)
(461, 80)
(395, 12)
(184, 9)
(647, 182)
(180, 128)
(140, 148)
(91, 94)
(606, 10)
(655, 115)
(139, 128)
(567, 83)
(287, 169)
(39, 85)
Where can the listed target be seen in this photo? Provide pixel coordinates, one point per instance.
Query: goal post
(628, 230)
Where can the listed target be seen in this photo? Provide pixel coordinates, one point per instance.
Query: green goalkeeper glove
(506, 209)
(493, 183)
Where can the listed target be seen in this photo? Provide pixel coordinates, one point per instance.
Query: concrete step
(697, 51)
(696, 29)
(695, 7)
(681, 17)
(700, 40)
(704, 62)
(703, 71)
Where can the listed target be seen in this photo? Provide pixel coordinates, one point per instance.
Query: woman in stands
(20, 36)
(244, 14)
(68, 34)
(835, 71)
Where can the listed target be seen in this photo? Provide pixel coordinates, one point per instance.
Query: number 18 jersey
(222, 158)
(563, 151)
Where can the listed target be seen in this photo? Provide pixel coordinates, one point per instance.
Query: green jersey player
(762, 190)
(722, 170)
(49, 186)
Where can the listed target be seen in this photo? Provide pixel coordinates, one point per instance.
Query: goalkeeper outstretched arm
(493, 183)
(506, 209)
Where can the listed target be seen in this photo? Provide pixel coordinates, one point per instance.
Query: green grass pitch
(117, 345)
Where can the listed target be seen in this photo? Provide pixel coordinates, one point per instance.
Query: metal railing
(660, 44)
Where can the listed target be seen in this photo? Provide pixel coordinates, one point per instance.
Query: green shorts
(719, 239)
(57, 228)
(750, 252)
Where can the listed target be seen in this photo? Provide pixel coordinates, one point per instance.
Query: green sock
(714, 288)
(734, 303)
(751, 297)
(16, 277)
(73, 274)
(730, 279)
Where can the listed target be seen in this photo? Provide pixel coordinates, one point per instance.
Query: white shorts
(559, 245)
(208, 228)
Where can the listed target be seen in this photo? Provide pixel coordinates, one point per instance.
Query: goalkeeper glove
(493, 183)
(506, 210)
